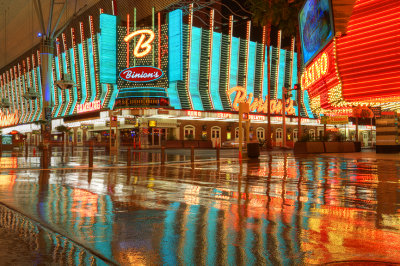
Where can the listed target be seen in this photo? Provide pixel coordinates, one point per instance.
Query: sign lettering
(257, 104)
(141, 74)
(88, 107)
(315, 71)
(142, 47)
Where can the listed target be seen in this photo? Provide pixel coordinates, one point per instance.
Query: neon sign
(315, 71)
(88, 107)
(193, 113)
(257, 104)
(9, 119)
(141, 44)
(141, 74)
(224, 115)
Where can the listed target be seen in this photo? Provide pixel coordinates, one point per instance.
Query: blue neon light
(91, 70)
(58, 91)
(113, 96)
(234, 65)
(82, 72)
(74, 89)
(265, 82)
(215, 71)
(107, 49)
(281, 78)
(173, 95)
(294, 80)
(175, 44)
(37, 90)
(195, 69)
(40, 91)
(251, 68)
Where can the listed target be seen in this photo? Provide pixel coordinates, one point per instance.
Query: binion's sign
(141, 74)
(257, 104)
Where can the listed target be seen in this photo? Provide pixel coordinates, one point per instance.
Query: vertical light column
(58, 91)
(35, 85)
(277, 64)
(210, 56)
(68, 94)
(230, 33)
(17, 90)
(54, 97)
(127, 43)
(264, 40)
(152, 44)
(41, 92)
(30, 85)
(190, 24)
(85, 84)
(25, 84)
(134, 29)
(13, 91)
(94, 53)
(248, 33)
(77, 90)
(159, 40)
(22, 92)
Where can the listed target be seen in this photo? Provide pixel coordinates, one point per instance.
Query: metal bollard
(26, 151)
(218, 154)
(128, 157)
(91, 156)
(162, 154)
(192, 155)
(45, 158)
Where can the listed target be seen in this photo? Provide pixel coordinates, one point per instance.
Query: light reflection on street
(280, 209)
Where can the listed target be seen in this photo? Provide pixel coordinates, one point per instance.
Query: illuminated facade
(363, 65)
(173, 66)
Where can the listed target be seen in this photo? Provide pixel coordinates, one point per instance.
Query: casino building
(169, 76)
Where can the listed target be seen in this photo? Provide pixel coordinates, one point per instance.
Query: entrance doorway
(157, 136)
(365, 139)
(279, 137)
(216, 136)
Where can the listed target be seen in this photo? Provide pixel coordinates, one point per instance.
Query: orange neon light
(257, 104)
(9, 119)
(315, 71)
(141, 44)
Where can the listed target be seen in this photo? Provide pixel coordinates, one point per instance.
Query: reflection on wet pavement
(280, 209)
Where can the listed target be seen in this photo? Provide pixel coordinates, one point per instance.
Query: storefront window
(260, 133)
(189, 132)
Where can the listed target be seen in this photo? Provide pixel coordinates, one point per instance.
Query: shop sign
(314, 72)
(376, 110)
(87, 126)
(141, 74)
(130, 121)
(113, 124)
(9, 119)
(140, 102)
(257, 117)
(224, 115)
(335, 120)
(88, 107)
(257, 104)
(152, 123)
(193, 113)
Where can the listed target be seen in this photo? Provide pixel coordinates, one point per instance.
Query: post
(90, 156)
(284, 116)
(192, 154)
(240, 133)
(128, 157)
(162, 154)
(218, 156)
(298, 91)
(356, 128)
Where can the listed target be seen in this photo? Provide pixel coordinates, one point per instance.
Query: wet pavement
(279, 210)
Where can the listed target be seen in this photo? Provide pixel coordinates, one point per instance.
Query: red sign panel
(141, 74)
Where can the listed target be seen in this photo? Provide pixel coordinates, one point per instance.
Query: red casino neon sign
(88, 107)
(143, 46)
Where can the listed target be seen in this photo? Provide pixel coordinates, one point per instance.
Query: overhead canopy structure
(342, 10)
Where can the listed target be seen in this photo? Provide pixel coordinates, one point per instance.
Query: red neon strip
(386, 51)
(127, 43)
(361, 90)
(375, 47)
(374, 64)
(348, 83)
(374, 37)
(159, 39)
(385, 25)
(371, 16)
